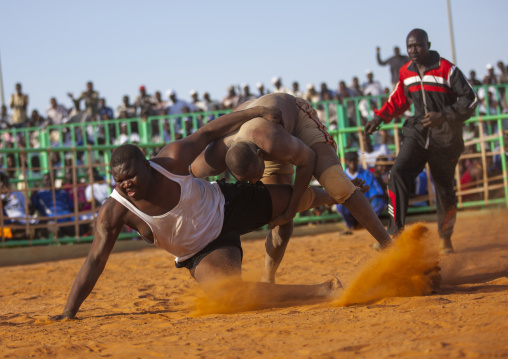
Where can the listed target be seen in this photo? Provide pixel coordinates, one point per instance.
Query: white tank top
(194, 222)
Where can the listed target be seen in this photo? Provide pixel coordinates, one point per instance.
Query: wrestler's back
(284, 102)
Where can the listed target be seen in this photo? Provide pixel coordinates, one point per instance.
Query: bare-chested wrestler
(260, 150)
(200, 223)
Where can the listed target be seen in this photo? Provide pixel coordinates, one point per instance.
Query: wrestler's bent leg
(332, 178)
(278, 237)
(219, 275)
(275, 247)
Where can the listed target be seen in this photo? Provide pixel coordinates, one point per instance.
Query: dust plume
(234, 295)
(401, 270)
(227, 299)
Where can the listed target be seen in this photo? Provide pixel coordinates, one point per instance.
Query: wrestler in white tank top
(194, 222)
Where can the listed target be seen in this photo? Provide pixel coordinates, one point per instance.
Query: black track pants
(409, 163)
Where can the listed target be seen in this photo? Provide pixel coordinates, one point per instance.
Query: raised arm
(378, 57)
(109, 225)
(188, 149)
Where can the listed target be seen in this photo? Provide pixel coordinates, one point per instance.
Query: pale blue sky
(53, 47)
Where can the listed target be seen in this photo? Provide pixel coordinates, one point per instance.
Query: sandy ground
(143, 307)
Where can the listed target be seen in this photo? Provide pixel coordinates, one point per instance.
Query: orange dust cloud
(227, 298)
(233, 295)
(398, 271)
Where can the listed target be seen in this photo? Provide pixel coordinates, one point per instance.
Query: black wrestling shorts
(247, 207)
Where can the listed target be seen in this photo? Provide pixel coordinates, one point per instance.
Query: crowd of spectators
(69, 187)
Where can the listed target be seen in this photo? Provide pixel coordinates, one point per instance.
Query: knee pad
(336, 183)
(306, 200)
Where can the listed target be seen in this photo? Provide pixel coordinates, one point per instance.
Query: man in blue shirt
(374, 194)
(51, 202)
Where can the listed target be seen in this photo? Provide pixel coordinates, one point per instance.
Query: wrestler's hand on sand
(373, 125)
(280, 220)
(360, 184)
(272, 114)
(433, 119)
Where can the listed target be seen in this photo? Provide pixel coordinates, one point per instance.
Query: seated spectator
(342, 95)
(12, 168)
(187, 123)
(105, 112)
(166, 132)
(277, 85)
(125, 137)
(36, 120)
(503, 78)
(78, 139)
(160, 106)
(295, 90)
(144, 102)
(5, 118)
(372, 152)
(470, 131)
(97, 192)
(197, 104)
(327, 113)
(34, 170)
(76, 190)
(488, 106)
(488, 103)
(343, 92)
(231, 100)
(490, 78)
(420, 188)
(370, 88)
(472, 178)
(473, 80)
(261, 89)
(312, 95)
(57, 114)
(126, 110)
(326, 94)
(375, 193)
(15, 209)
(246, 95)
(211, 105)
(175, 105)
(52, 202)
(356, 88)
(382, 173)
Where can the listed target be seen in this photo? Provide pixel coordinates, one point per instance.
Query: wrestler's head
(245, 161)
(131, 171)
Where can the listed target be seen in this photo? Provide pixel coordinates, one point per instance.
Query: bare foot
(332, 287)
(434, 274)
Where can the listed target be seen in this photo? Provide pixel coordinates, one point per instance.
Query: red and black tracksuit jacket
(443, 88)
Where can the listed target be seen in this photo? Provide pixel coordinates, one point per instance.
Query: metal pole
(1, 87)
(451, 30)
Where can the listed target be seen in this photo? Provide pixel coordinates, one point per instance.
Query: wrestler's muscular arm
(188, 149)
(109, 224)
(212, 161)
(280, 146)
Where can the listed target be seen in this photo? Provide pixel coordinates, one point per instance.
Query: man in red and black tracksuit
(443, 100)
